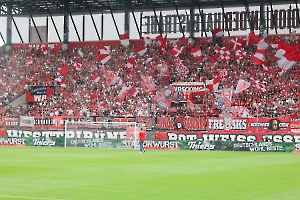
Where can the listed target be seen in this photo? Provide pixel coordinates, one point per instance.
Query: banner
(295, 124)
(26, 121)
(233, 136)
(181, 123)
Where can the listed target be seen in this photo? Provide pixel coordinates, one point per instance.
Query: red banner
(181, 123)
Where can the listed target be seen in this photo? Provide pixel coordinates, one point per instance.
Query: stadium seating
(126, 83)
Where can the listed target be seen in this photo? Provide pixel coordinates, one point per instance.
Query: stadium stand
(116, 80)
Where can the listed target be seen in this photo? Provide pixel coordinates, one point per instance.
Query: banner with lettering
(295, 124)
(233, 136)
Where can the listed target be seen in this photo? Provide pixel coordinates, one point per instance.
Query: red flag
(159, 38)
(124, 36)
(175, 51)
(93, 96)
(163, 44)
(48, 92)
(56, 48)
(64, 70)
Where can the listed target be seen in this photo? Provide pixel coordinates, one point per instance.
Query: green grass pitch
(49, 173)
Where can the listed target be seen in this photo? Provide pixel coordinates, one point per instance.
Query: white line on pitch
(13, 197)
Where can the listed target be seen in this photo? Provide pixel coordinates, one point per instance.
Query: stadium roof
(58, 7)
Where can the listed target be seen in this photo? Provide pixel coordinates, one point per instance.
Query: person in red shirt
(142, 136)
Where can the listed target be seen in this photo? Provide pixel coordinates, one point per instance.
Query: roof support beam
(247, 9)
(113, 17)
(37, 31)
(74, 25)
(203, 29)
(273, 17)
(95, 27)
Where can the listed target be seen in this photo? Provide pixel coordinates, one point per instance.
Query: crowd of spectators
(73, 97)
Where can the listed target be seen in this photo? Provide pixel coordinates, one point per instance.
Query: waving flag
(103, 58)
(103, 49)
(141, 50)
(197, 53)
(96, 78)
(159, 38)
(63, 70)
(218, 32)
(260, 42)
(124, 90)
(130, 63)
(239, 55)
(175, 51)
(110, 77)
(213, 85)
(124, 39)
(223, 54)
(235, 43)
(28, 61)
(147, 40)
(259, 57)
(163, 44)
(241, 86)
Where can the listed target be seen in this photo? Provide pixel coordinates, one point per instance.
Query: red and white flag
(110, 77)
(241, 86)
(213, 85)
(147, 84)
(197, 53)
(175, 51)
(80, 53)
(260, 42)
(96, 78)
(124, 90)
(103, 58)
(63, 84)
(288, 60)
(104, 49)
(163, 44)
(223, 53)
(218, 32)
(147, 40)
(133, 92)
(130, 62)
(235, 43)
(77, 65)
(239, 55)
(141, 50)
(124, 39)
(28, 61)
(259, 57)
